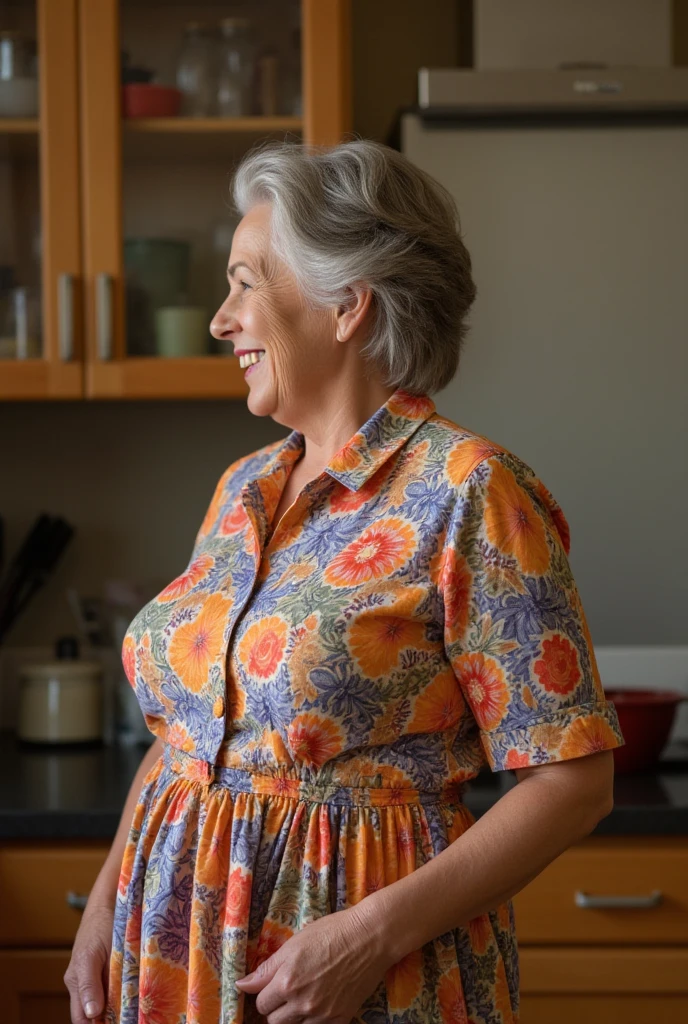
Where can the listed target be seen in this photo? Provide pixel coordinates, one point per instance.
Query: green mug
(181, 331)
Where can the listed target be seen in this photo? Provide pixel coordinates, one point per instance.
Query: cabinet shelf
(151, 377)
(189, 139)
(212, 125)
(19, 125)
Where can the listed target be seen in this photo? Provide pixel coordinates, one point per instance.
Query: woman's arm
(86, 976)
(552, 807)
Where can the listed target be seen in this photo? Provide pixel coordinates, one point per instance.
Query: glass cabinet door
(174, 92)
(40, 259)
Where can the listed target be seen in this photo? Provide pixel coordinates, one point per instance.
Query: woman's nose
(224, 323)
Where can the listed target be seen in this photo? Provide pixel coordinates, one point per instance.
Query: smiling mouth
(249, 358)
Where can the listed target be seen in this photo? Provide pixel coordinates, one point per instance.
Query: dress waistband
(283, 782)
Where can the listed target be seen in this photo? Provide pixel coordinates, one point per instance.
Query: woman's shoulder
(478, 463)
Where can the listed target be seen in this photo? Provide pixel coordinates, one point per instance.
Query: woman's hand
(323, 973)
(87, 974)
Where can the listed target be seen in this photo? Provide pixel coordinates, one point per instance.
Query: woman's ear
(352, 316)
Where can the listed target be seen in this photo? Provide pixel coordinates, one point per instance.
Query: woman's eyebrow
(240, 263)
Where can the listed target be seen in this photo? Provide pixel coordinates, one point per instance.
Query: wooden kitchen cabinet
(32, 986)
(40, 888)
(40, 226)
(607, 963)
(105, 178)
(603, 966)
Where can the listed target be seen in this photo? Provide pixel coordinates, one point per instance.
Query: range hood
(607, 91)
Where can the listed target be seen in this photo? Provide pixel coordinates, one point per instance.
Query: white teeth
(250, 357)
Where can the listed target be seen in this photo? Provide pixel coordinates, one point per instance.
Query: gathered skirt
(223, 865)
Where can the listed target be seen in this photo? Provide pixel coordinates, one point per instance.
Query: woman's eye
(244, 284)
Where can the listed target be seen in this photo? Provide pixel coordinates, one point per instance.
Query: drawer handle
(587, 902)
(75, 901)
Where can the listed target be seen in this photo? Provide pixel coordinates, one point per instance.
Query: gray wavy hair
(360, 212)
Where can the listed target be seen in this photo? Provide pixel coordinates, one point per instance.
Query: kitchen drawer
(603, 986)
(547, 912)
(34, 883)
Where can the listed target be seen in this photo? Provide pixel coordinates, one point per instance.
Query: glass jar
(17, 56)
(197, 70)
(20, 323)
(236, 68)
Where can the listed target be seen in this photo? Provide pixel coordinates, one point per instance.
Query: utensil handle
(104, 288)
(76, 901)
(65, 316)
(587, 902)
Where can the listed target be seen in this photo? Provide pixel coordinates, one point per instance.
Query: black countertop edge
(78, 794)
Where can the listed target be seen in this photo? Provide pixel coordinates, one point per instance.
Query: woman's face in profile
(265, 310)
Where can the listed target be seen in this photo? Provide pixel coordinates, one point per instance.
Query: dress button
(219, 707)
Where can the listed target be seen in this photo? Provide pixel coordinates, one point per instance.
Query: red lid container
(646, 718)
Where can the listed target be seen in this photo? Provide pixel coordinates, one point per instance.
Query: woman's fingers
(84, 981)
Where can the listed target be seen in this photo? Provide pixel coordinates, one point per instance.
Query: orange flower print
(126, 868)
(133, 929)
(482, 682)
(237, 899)
(455, 582)
(262, 647)
(558, 518)
(466, 455)
(349, 456)
(162, 991)
(233, 521)
(317, 845)
(272, 937)
(439, 706)
(205, 991)
(515, 760)
(558, 670)
(377, 638)
(451, 999)
(410, 406)
(129, 658)
(314, 739)
(197, 645)
(404, 981)
(480, 930)
(503, 996)
(512, 522)
(213, 854)
(379, 550)
(587, 736)
(198, 569)
(178, 737)
(176, 806)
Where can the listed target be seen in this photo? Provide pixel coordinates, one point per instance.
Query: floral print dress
(325, 695)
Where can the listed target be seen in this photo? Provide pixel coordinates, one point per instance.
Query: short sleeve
(515, 631)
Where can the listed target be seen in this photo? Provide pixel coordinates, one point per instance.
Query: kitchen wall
(135, 478)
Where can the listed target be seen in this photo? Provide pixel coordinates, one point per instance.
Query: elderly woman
(376, 607)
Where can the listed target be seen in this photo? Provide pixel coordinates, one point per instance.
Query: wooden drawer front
(34, 883)
(32, 986)
(603, 986)
(546, 910)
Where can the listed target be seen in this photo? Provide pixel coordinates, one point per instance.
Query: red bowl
(646, 718)
(142, 99)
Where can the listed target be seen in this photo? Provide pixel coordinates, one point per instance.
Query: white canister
(61, 702)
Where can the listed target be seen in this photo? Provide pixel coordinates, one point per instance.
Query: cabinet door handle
(65, 316)
(76, 901)
(587, 902)
(104, 285)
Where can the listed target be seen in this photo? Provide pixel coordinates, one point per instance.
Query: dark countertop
(79, 793)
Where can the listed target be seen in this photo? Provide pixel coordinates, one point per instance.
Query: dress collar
(380, 437)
